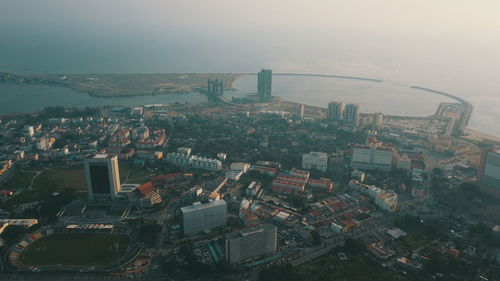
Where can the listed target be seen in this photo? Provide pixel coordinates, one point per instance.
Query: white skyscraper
(351, 113)
(335, 111)
(250, 243)
(203, 217)
(102, 177)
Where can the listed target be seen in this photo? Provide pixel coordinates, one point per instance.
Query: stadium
(75, 247)
(83, 211)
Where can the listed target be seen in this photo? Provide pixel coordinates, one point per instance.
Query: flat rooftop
(198, 206)
(248, 231)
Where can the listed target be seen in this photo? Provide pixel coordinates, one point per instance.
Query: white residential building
(251, 243)
(203, 217)
(384, 199)
(315, 161)
(184, 158)
(370, 157)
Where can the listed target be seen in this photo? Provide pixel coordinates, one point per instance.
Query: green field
(59, 178)
(75, 249)
(18, 181)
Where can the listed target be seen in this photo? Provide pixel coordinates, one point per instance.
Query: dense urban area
(252, 189)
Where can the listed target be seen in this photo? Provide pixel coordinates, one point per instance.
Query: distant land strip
(329, 76)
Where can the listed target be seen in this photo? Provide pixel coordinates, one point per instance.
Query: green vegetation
(358, 267)
(19, 180)
(113, 85)
(63, 180)
(466, 199)
(131, 174)
(486, 234)
(75, 249)
(149, 233)
(60, 178)
(419, 232)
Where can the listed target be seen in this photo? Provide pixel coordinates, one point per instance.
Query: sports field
(75, 249)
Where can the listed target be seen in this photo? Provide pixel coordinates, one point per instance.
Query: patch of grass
(134, 174)
(61, 178)
(18, 180)
(75, 249)
(419, 233)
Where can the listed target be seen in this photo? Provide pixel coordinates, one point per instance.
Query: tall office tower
(378, 120)
(488, 174)
(335, 111)
(203, 217)
(301, 109)
(251, 243)
(264, 83)
(215, 87)
(102, 176)
(351, 112)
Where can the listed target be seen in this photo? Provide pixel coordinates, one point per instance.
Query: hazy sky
(447, 44)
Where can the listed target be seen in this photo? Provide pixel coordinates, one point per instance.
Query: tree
(316, 238)
(223, 266)
(149, 233)
(12, 233)
(298, 201)
(468, 188)
(437, 172)
(354, 246)
(281, 273)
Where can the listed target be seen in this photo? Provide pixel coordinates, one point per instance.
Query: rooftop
(199, 206)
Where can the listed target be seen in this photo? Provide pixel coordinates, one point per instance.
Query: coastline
(478, 136)
(151, 84)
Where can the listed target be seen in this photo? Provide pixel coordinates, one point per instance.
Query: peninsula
(119, 85)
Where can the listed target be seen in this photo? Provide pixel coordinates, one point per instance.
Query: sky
(448, 45)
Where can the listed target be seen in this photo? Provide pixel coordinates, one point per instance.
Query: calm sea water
(28, 98)
(389, 98)
(452, 49)
(386, 97)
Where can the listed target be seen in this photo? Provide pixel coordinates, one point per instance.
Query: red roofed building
(146, 188)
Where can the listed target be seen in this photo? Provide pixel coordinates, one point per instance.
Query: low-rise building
(184, 158)
(20, 222)
(385, 199)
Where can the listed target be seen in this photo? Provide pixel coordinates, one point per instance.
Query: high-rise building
(250, 243)
(489, 171)
(315, 161)
(203, 217)
(102, 176)
(351, 113)
(335, 111)
(378, 120)
(215, 87)
(264, 83)
(301, 109)
(369, 157)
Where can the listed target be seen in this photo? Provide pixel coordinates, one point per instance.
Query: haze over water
(447, 45)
